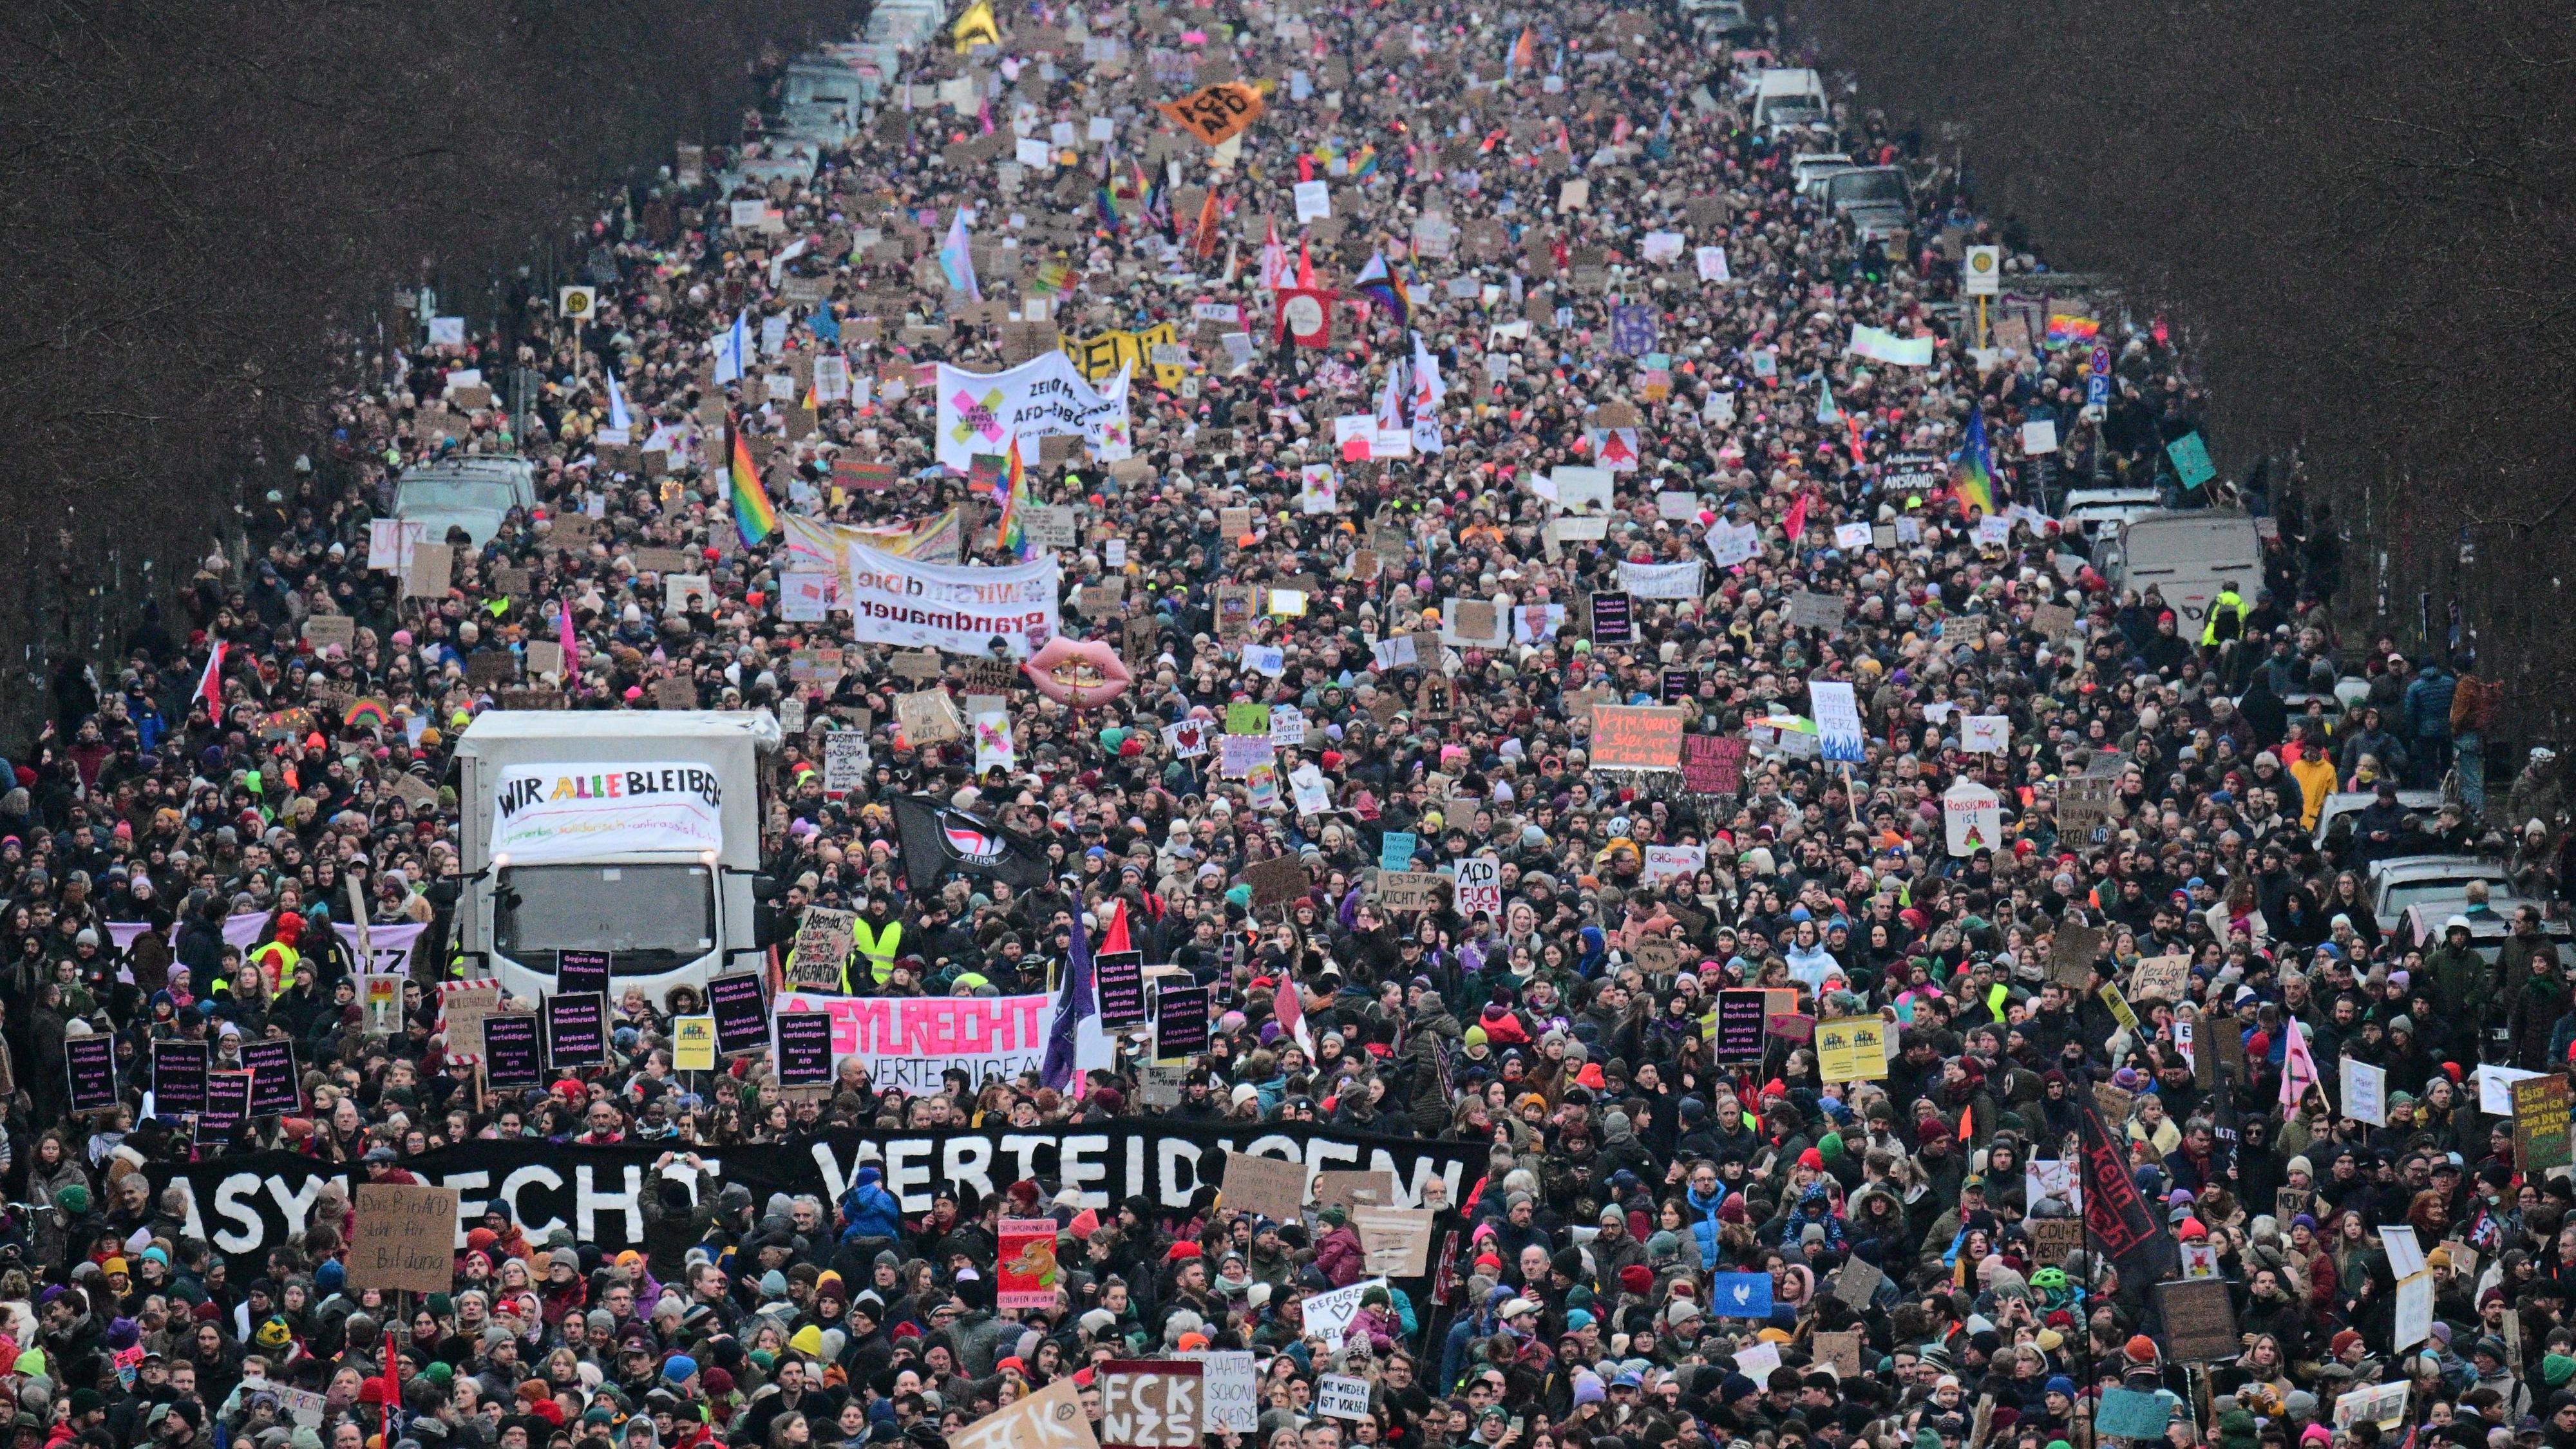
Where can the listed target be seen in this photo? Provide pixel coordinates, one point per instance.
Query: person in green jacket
(2463, 984)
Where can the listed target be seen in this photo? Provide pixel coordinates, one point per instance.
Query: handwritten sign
(1637, 737)
(405, 1237)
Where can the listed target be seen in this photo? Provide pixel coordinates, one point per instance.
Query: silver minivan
(472, 493)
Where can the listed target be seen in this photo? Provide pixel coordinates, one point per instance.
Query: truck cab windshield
(649, 918)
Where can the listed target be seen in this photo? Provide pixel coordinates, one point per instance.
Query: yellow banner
(1853, 1049)
(1099, 356)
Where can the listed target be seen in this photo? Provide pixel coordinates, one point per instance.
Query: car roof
(2421, 867)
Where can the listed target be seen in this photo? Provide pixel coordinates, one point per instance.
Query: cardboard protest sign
(1352, 1189)
(2072, 950)
(2161, 978)
(1396, 1240)
(404, 1237)
(1148, 1403)
(1051, 1418)
(823, 941)
(2200, 1323)
(1268, 1186)
(1276, 881)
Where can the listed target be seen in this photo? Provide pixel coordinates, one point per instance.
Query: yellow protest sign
(693, 1043)
(976, 27)
(1215, 114)
(1853, 1049)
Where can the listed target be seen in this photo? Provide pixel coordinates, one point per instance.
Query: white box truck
(634, 834)
(2185, 555)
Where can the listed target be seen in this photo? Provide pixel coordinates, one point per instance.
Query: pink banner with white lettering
(912, 1041)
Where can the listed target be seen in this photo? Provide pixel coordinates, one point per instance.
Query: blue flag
(1079, 1004)
(1740, 1295)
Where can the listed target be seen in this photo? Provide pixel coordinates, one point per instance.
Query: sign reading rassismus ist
(584, 811)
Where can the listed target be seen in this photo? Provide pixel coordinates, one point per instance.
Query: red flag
(1305, 267)
(1208, 225)
(1797, 521)
(1289, 1006)
(1115, 938)
(210, 685)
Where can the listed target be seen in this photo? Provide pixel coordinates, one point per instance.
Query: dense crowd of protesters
(1629, 1167)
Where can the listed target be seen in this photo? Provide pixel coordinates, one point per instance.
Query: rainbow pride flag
(753, 518)
(2066, 329)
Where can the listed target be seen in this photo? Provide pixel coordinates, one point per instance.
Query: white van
(1787, 100)
(2185, 556)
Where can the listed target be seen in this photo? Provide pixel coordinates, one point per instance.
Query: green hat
(2556, 1369)
(73, 1199)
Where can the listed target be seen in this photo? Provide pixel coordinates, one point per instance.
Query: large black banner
(245, 1203)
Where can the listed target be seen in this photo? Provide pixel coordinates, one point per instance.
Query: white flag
(732, 350)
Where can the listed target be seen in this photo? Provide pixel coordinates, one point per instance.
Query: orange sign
(1639, 737)
(1215, 113)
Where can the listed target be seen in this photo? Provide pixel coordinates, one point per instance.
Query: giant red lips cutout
(1079, 672)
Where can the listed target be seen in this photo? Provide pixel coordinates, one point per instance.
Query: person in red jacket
(1338, 1254)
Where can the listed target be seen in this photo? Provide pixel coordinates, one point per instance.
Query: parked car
(471, 493)
(2346, 802)
(2421, 927)
(2400, 881)
(1811, 171)
(1716, 21)
(1875, 198)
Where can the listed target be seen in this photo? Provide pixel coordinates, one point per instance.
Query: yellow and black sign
(575, 304)
(1215, 114)
(1099, 356)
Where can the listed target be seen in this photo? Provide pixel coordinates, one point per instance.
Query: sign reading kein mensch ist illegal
(592, 811)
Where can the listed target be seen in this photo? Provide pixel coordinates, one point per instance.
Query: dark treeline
(208, 202)
(2359, 214)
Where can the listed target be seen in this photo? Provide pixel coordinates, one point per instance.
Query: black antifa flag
(938, 839)
(2117, 1216)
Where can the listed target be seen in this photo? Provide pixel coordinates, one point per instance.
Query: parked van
(1786, 100)
(2185, 555)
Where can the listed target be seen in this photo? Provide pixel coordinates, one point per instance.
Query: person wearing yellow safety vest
(876, 938)
(277, 958)
(2226, 622)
